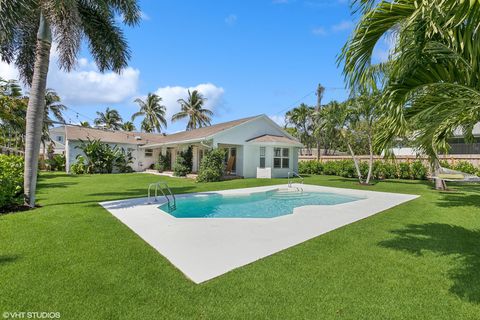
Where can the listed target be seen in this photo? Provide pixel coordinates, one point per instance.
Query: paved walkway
(205, 248)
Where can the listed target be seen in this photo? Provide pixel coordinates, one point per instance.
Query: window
(148, 153)
(262, 157)
(59, 138)
(281, 158)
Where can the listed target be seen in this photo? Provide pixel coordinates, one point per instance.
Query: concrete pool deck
(205, 248)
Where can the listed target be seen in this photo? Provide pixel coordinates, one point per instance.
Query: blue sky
(248, 57)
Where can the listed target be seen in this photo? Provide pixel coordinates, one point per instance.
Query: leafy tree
(110, 119)
(153, 112)
(192, 108)
(26, 31)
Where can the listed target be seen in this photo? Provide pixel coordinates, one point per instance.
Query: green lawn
(420, 260)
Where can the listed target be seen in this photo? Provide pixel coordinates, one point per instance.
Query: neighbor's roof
(267, 138)
(201, 133)
(81, 133)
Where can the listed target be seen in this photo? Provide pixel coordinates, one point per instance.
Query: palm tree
(192, 108)
(301, 118)
(85, 124)
(110, 119)
(128, 126)
(153, 112)
(52, 107)
(27, 30)
(432, 78)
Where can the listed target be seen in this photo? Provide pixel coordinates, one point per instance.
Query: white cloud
(144, 16)
(231, 20)
(85, 85)
(8, 71)
(280, 120)
(171, 94)
(342, 26)
(319, 31)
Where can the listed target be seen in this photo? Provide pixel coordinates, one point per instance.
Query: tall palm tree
(153, 112)
(110, 119)
(26, 31)
(192, 108)
(128, 126)
(432, 78)
(301, 118)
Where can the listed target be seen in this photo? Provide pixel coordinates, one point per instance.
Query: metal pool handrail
(293, 174)
(163, 185)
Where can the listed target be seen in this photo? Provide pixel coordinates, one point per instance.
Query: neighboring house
(255, 146)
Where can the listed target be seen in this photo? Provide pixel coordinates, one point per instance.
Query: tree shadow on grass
(444, 239)
(5, 259)
(459, 199)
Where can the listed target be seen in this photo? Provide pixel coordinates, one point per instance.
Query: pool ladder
(162, 186)
(292, 175)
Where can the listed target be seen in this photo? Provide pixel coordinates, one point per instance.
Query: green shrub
(11, 180)
(310, 167)
(404, 171)
(79, 166)
(363, 169)
(181, 168)
(162, 164)
(419, 171)
(211, 167)
(346, 169)
(465, 166)
(331, 167)
(391, 170)
(56, 162)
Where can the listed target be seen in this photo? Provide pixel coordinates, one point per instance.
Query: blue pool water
(268, 204)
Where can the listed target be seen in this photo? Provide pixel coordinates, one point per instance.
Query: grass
(420, 260)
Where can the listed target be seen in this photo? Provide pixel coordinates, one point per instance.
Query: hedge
(380, 170)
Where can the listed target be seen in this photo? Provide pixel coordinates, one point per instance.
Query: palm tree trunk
(36, 110)
(370, 161)
(439, 183)
(357, 167)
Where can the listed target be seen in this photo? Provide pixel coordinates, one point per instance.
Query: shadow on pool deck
(444, 239)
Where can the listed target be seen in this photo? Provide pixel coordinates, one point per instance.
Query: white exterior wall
(248, 155)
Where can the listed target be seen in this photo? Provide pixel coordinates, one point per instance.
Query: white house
(256, 146)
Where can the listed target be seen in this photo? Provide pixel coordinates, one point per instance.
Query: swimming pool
(268, 204)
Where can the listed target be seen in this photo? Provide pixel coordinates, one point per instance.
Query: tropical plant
(85, 124)
(26, 31)
(13, 110)
(432, 80)
(163, 163)
(128, 126)
(153, 113)
(11, 180)
(212, 166)
(110, 119)
(53, 106)
(301, 118)
(79, 167)
(99, 157)
(183, 163)
(193, 109)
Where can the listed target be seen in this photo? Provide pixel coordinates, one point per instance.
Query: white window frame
(281, 157)
(148, 153)
(264, 157)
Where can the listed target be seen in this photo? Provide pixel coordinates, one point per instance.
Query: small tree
(212, 167)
